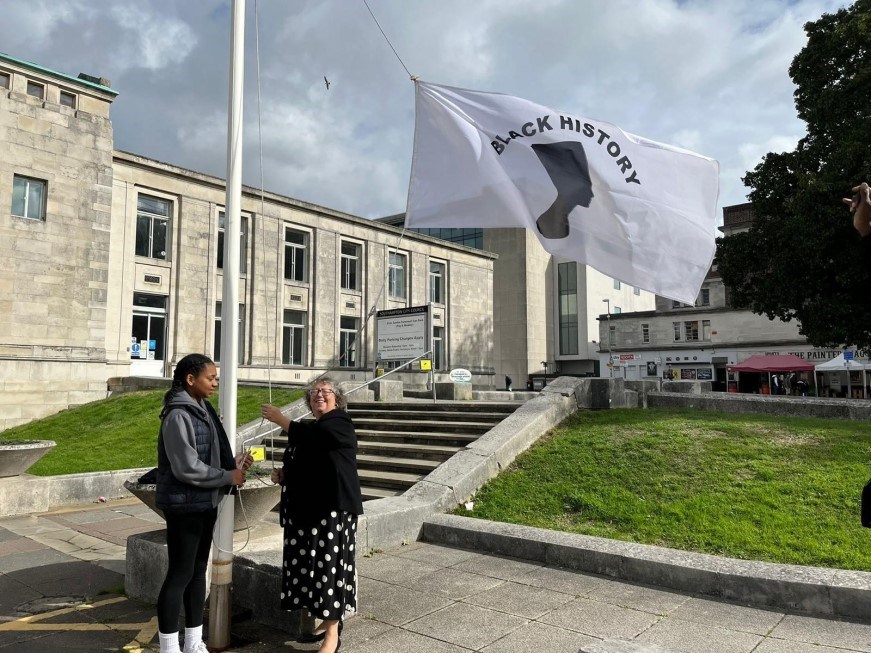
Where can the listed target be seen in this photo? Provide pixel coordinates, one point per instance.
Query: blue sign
(848, 355)
(152, 345)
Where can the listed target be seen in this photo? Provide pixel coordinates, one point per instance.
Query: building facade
(115, 263)
(698, 342)
(545, 311)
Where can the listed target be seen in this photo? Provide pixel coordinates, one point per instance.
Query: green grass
(120, 432)
(754, 487)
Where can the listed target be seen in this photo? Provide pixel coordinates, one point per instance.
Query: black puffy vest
(174, 496)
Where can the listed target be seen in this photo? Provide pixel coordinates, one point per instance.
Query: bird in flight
(327, 82)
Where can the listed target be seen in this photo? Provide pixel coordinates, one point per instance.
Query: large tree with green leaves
(802, 258)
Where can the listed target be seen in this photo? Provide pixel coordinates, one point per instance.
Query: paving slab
(404, 641)
(520, 600)
(639, 597)
(453, 583)
(396, 605)
(535, 637)
(601, 620)
(850, 635)
(466, 625)
(693, 637)
(735, 617)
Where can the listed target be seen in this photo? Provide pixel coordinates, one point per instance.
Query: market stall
(763, 366)
(843, 372)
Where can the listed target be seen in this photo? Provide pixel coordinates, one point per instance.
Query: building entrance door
(148, 339)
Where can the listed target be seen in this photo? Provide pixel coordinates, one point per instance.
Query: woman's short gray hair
(341, 399)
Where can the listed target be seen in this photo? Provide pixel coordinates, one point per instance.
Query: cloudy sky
(707, 75)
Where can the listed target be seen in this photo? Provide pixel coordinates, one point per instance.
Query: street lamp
(610, 361)
(544, 365)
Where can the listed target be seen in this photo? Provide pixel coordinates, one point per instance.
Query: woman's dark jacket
(320, 469)
(194, 458)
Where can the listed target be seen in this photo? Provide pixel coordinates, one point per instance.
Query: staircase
(400, 443)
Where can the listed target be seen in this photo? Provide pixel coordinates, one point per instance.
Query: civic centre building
(112, 265)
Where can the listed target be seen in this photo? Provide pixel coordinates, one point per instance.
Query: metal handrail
(362, 385)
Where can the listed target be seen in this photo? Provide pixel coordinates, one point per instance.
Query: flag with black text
(634, 209)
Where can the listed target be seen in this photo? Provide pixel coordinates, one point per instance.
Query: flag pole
(222, 552)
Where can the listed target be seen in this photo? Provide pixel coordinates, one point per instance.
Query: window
(396, 275)
(676, 328)
(692, 330)
(567, 280)
(293, 338)
(351, 266)
(636, 291)
(436, 282)
(36, 90)
(612, 336)
(5, 79)
(438, 348)
(241, 343)
(152, 219)
(617, 310)
(645, 333)
(149, 327)
(704, 298)
(243, 242)
(28, 197)
(68, 99)
(295, 248)
(348, 341)
(706, 329)
(617, 284)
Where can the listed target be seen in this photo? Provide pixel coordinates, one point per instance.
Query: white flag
(634, 209)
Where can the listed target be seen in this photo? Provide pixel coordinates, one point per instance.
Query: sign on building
(402, 333)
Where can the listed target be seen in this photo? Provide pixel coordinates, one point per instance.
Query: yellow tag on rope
(425, 364)
(258, 453)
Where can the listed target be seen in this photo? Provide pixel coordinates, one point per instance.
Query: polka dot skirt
(318, 571)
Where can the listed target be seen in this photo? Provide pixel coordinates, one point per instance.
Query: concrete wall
(857, 409)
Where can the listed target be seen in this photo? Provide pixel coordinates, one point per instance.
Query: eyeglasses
(326, 392)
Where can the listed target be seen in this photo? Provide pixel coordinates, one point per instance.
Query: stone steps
(400, 443)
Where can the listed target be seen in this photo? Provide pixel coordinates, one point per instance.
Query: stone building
(545, 311)
(699, 342)
(114, 265)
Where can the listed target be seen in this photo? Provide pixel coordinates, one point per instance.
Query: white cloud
(709, 76)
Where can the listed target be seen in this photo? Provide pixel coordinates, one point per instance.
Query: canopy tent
(840, 364)
(773, 363)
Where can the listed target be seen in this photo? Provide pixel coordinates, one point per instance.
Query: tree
(801, 257)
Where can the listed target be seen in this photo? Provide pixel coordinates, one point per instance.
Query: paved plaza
(61, 589)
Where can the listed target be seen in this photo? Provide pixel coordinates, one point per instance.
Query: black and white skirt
(318, 566)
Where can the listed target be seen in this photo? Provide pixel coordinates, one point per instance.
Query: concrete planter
(17, 457)
(258, 497)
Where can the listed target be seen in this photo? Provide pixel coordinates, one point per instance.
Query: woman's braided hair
(190, 364)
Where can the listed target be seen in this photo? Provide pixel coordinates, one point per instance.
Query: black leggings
(188, 542)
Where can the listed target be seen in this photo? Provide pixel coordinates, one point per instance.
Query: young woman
(320, 503)
(195, 467)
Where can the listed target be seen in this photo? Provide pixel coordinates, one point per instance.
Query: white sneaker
(200, 647)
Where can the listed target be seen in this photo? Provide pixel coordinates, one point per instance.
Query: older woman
(320, 503)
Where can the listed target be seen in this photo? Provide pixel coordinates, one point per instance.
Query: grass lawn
(754, 487)
(120, 432)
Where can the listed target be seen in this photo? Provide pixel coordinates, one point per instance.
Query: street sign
(848, 355)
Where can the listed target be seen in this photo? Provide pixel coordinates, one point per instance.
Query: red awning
(772, 363)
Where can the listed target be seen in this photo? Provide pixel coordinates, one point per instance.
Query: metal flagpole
(222, 553)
